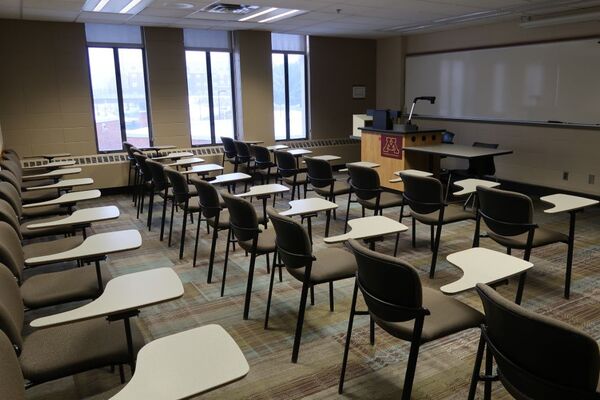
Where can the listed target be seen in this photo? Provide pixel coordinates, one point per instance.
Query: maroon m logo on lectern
(391, 146)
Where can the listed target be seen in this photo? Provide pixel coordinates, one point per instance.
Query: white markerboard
(557, 81)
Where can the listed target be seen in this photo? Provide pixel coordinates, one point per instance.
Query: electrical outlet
(565, 176)
(591, 179)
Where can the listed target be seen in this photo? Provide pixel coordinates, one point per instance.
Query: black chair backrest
(179, 184)
(293, 242)
(286, 163)
(538, 357)
(128, 146)
(140, 160)
(364, 181)
(262, 156)
(243, 150)
(12, 314)
(423, 194)
(319, 172)
(8, 215)
(209, 197)
(13, 384)
(391, 288)
(242, 217)
(483, 166)
(228, 147)
(11, 250)
(157, 171)
(505, 213)
(12, 196)
(448, 137)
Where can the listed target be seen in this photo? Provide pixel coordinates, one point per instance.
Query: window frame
(115, 48)
(213, 133)
(287, 93)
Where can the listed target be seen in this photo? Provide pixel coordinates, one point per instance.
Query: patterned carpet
(374, 372)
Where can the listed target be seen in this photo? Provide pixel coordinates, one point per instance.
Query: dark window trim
(213, 133)
(287, 93)
(116, 47)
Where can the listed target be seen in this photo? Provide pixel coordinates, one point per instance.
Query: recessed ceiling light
(178, 5)
(100, 5)
(129, 6)
(258, 14)
(279, 16)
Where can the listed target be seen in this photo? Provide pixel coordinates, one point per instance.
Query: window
(289, 86)
(210, 85)
(118, 79)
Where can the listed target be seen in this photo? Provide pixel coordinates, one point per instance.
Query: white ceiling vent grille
(225, 8)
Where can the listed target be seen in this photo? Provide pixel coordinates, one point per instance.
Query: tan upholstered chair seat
(223, 220)
(35, 196)
(339, 187)
(265, 243)
(51, 247)
(448, 316)
(44, 211)
(300, 179)
(386, 200)
(331, 265)
(60, 287)
(68, 349)
(451, 214)
(541, 237)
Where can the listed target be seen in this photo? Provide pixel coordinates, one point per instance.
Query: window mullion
(211, 112)
(287, 96)
(120, 94)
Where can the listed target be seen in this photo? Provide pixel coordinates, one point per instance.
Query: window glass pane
(134, 97)
(297, 96)
(279, 108)
(106, 102)
(197, 80)
(222, 94)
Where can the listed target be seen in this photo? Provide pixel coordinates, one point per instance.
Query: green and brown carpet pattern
(374, 372)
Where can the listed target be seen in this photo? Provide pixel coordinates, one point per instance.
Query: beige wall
(45, 102)
(167, 86)
(390, 72)
(541, 153)
(254, 86)
(335, 66)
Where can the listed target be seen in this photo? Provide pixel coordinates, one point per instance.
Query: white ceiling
(352, 18)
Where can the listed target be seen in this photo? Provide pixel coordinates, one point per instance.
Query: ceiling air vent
(224, 8)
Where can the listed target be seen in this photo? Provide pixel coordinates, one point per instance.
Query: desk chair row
(52, 353)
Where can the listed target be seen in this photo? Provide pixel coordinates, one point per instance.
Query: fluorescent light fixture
(565, 19)
(258, 14)
(473, 14)
(279, 16)
(129, 6)
(100, 5)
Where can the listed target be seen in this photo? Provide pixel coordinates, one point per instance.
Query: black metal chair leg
(312, 295)
(171, 222)
(412, 360)
(250, 279)
(213, 248)
(476, 368)
(196, 245)
(331, 305)
(150, 208)
(270, 293)
(164, 217)
(348, 335)
(347, 213)
(414, 233)
(183, 227)
(229, 233)
(435, 250)
(301, 310)
(396, 246)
